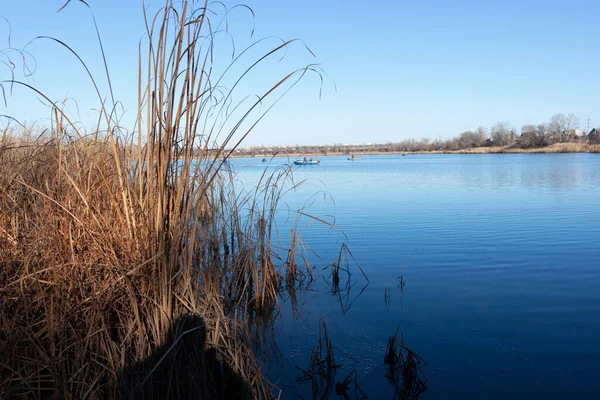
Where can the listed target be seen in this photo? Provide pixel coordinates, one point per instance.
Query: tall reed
(121, 255)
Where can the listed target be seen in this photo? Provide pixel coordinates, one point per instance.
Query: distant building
(594, 136)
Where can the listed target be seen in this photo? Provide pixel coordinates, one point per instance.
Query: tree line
(560, 128)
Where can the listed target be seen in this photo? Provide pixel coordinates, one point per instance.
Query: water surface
(500, 255)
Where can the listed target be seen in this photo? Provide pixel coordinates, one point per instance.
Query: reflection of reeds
(401, 282)
(404, 370)
(341, 269)
(321, 366)
(387, 297)
(108, 239)
(349, 387)
(342, 265)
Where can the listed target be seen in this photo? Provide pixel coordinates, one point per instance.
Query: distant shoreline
(553, 149)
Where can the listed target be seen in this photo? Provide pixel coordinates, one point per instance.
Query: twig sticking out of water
(342, 265)
(321, 367)
(295, 277)
(341, 269)
(387, 297)
(404, 369)
(401, 281)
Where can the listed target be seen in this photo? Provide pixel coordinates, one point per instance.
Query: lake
(500, 258)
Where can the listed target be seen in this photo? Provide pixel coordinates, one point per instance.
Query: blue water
(501, 259)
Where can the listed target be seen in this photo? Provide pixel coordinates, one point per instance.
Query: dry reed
(554, 148)
(130, 266)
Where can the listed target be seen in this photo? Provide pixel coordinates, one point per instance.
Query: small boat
(354, 158)
(307, 162)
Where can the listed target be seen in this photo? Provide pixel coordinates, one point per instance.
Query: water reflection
(404, 369)
(531, 172)
(340, 280)
(321, 368)
(404, 372)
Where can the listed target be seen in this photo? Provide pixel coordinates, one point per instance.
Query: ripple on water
(500, 258)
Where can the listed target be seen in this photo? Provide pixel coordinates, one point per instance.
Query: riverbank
(555, 148)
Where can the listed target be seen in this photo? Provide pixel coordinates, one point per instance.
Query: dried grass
(122, 256)
(554, 148)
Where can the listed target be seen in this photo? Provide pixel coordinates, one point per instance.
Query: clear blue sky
(403, 69)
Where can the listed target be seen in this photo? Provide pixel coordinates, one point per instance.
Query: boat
(307, 162)
(353, 158)
(310, 162)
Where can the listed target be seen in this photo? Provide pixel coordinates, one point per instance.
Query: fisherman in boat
(305, 159)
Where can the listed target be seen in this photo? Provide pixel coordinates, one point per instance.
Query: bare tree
(529, 137)
(466, 140)
(572, 126)
(557, 128)
(503, 134)
(481, 137)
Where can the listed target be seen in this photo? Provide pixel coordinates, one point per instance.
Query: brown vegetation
(127, 266)
(554, 148)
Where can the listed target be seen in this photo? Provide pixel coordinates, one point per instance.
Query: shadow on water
(182, 368)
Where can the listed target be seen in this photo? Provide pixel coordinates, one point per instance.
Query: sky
(394, 70)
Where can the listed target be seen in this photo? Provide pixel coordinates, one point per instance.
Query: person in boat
(305, 160)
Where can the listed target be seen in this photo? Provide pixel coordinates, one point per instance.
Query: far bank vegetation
(562, 134)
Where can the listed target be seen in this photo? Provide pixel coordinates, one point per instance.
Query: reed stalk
(130, 266)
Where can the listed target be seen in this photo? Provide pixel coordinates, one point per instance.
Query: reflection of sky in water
(500, 255)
